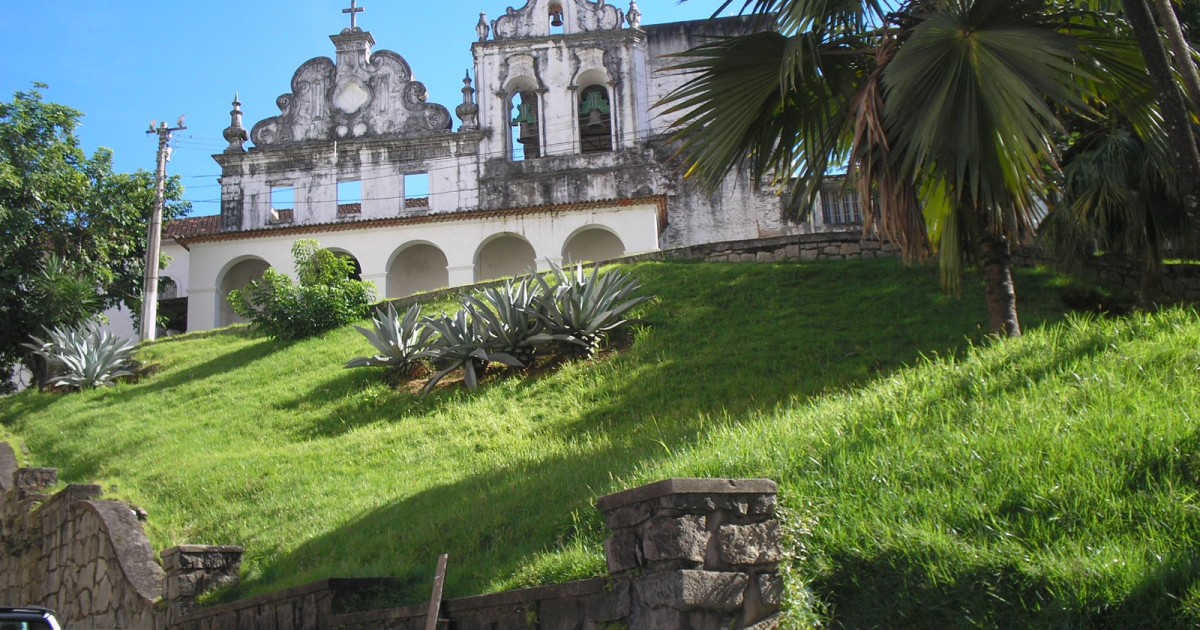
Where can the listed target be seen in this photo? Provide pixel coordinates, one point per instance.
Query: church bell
(556, 15)
(595, 121)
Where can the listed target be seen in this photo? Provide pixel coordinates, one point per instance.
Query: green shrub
(82, 357)
(326, 297)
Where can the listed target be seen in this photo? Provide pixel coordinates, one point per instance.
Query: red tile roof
(191, 227)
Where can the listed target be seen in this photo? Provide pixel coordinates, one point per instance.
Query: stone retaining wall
(802, 247)
(701, 554)
(89, 559)
(1177, 282)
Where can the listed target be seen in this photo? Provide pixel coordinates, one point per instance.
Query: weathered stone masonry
(89, 559)
(684, 553)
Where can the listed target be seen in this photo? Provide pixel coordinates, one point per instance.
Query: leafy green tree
(945, 112)
(72, 232)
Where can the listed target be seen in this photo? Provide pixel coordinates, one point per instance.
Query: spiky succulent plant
(83, 357)
(508, 317)
(462, 343)
(402, 342)
(581, 308)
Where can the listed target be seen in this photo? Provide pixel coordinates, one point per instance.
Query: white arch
(236, 274)
(504, 254)
(415, 267)
(592, 242)
(345, 253)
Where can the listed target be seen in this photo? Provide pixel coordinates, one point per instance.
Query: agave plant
(580, 308)
(83, 357)
(401, 341)
(461, 342)
(508, 317)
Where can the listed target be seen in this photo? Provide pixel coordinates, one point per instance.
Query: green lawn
(929, 477)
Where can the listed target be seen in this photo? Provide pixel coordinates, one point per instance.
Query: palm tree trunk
(1180, 50)
(996, 264)
(1174, 109)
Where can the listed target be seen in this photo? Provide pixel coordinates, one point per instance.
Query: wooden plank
(435, 602)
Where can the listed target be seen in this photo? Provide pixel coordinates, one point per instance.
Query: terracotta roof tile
(191, 227)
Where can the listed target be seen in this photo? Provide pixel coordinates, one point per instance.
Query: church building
(557, 152)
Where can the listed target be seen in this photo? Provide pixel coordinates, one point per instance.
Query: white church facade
(556, 153)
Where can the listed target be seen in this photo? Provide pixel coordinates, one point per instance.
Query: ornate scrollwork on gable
(597, 16)
(304, 110)
(357, 97)
(532, 20)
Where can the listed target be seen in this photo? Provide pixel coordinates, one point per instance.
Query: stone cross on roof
(354, 10)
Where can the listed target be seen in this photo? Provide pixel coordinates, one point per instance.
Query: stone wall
(89, 559)
(684, 553)
(832, 245)
(1178, 282)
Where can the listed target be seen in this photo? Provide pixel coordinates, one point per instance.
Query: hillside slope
(1047, 481)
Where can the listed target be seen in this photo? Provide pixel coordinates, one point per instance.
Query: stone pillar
(31, 482)
(193, 570)
(698, 553)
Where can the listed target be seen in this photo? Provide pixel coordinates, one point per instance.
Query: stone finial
(634, 16)
(468, 111)
(482, 29)
(235, 134)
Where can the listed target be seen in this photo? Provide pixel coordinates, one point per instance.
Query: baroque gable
(362, 95)
(577, 16)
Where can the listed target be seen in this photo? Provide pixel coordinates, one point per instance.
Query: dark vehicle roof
(26, 613)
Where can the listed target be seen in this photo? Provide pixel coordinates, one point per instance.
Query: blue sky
(124, 63)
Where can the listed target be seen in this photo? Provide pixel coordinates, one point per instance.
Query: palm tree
(944, 112)
(1176, 117)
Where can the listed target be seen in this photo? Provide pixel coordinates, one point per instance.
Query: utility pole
(154, 234)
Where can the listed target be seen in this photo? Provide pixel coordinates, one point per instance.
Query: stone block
(791, 252)
(622, 553)
(764, 257)
(35, 479)
(683, 538)
(745, 545)
(688, 590)
(770, 588)
(809, 255)
(627, 516)
(774, 622)
(763, 505)
(668, 618)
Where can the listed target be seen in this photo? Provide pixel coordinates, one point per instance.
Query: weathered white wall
(381, 250)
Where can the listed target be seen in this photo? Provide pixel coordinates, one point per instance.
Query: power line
(453, 163)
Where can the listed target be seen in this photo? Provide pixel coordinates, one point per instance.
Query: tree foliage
(327, 296)
(945, 113)
(72, 231)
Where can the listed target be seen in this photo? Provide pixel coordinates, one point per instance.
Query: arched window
(526, 136)
(595, 120)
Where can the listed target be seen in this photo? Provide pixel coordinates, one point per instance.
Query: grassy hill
(928, 478)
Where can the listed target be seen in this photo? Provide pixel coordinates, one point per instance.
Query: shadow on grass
(220, 364)
(893, 589)
(489, 524)
(718, 322)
